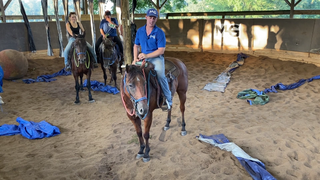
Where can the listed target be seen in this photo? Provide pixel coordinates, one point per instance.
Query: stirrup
(165, 106)
(1, 102)
(67, 67)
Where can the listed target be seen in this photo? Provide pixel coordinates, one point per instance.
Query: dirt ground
(98, 141)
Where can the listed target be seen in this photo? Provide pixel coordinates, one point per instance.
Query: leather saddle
(171, 72)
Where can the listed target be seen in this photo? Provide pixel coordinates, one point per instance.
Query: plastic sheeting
(221, 82)
(47, 78)
(99, 86)
(30, 129)
(254, 167)
(261, 97)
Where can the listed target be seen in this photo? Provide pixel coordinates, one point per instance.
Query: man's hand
(104, 36)
(142, 56)
(135, 61)
(108, 19)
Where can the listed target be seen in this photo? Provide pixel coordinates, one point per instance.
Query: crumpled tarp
(254, 167)
(30, 129)
(259, 97)
(99, 86)
(221, 82)
(48, 78)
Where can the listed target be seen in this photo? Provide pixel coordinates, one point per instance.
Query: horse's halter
(109, 48)
(133, 99)
(80, 60)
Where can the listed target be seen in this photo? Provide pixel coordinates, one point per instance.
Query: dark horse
(110, 58)
(141, 94)
(82, 63)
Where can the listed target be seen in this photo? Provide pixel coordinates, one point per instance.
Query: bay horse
(81, 63)
(110, 58)
(141, 95)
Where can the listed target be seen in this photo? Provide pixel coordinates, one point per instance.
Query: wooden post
(3, 16)
(44, 4)
(32, 47)
(291, 9)
(77, 8)
(118, 11)
(55, 4)
(66, 14)
(127, 31)
(101, 12)
(85, 6)
(93, 29)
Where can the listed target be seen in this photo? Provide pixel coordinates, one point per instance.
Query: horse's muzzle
(82, 59)
(142, 108)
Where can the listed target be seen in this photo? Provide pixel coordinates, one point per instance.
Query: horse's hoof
(166, 128)
(139, 156)
(92, 101)
(77, 102)
(146, 159)
(183, 133)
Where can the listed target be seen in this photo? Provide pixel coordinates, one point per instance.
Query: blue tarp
(254, 167)
(1, 77)
(221, 82)
(47, 78)
(99, 86)
(282, 87)
(30, 129)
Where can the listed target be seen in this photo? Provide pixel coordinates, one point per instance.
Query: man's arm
(155, 53)
(102, 33)
(135, 53)
(110, 21)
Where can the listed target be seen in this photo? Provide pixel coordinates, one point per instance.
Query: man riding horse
(108, 29)
(153, 43)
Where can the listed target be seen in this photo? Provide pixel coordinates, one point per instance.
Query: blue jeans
(159, 67)
(68, 47)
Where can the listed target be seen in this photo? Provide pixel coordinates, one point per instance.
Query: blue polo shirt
(104, 25)
(151, 43)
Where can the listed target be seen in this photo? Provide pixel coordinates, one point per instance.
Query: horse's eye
(130, 85)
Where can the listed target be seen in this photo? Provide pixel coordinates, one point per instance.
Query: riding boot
(1, 102)
(123, 63)
(67, 67)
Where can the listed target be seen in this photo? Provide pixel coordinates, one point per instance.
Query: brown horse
(110, 58)
(82, 63)
(141, 95)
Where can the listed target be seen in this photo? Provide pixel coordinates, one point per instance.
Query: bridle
(79, 53)
(134, 100)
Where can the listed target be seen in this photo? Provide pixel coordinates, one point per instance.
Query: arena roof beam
(292, 5)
